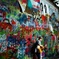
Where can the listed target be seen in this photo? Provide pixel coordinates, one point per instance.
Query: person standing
(40, 47)
(37, 48)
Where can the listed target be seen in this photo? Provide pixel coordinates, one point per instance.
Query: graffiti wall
(21, 23)
(48, 8)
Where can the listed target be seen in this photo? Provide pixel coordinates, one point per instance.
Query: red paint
(24, 1)
(5, 25)
(13, 22)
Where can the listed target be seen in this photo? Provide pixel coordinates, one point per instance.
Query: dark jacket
(34, 47)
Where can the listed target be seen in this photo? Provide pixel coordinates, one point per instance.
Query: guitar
(40, 48)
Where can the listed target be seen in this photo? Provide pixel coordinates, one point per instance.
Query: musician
(40, 47)
(37, 48)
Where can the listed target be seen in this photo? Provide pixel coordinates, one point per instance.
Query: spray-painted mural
(22, 22)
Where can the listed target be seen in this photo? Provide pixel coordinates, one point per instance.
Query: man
(40, 47)
(36, 49)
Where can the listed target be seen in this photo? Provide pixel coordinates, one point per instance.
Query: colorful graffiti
(19, 31)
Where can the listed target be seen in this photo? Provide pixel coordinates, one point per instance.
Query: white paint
(23, 5)
(50, 8)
